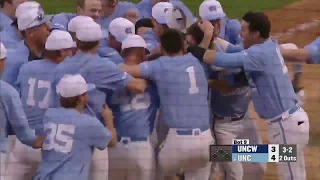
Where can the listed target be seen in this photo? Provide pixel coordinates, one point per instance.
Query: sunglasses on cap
(39, 17)
(111, 3)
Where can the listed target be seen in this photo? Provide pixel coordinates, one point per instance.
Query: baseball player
(225, 28)
(272, 92)
(71, 134)
(11, 112)
(104, 74)
(134, 121)
(34, 82)
(119, 29)
(182, 88)
(230, 98)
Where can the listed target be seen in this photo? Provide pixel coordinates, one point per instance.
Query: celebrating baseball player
(272, 92)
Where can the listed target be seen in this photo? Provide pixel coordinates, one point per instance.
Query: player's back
(183, 87)
(70, 139)
(135, 113)
(35, 81)
(272, 90)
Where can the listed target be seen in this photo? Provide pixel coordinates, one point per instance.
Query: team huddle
(125, 91)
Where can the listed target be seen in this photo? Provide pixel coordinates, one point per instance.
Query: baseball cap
(159, 11)
(120, 28)
(176, 19)
(32, 18)
(133, 41)
(59, 40)
(3, 51)
(74, 22)
(211, 10)
(289, 46)
(89, 32)
(26, 6)
(73, 85)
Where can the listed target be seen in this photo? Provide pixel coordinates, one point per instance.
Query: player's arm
(19, 122)
(145, 70)
(228, 47)
(108, 121)
(295, 55)
(112, 77)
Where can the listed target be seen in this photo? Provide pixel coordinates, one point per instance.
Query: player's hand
(297, 82)
(106, 112)
(206, 27)
(37, 144)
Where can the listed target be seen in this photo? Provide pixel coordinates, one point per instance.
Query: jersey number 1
(192, 78)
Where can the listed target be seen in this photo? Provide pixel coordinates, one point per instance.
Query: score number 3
(57, 134)
(41, 84)
(192, 78)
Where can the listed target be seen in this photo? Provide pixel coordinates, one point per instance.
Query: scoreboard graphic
(243, 151)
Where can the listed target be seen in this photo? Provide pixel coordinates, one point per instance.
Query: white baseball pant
(5, 156)
(187, 153)
(292, 129)
(132, 160)
(99, 165)
(224, 131)
(23, 162)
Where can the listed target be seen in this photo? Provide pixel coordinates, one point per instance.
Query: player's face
(217, 27)
(114, 43)
(2, 65)
(158, 28)
(67, 52)
(190, 41)
(109, 6)
(39, 34)
(84, 99)
(92, 8)
(246, 35)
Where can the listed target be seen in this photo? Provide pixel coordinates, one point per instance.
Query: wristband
(197, 52)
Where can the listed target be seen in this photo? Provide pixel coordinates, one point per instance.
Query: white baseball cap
(58, 40)
(211, 10)
(176, 19)
(3, 51)
(159, 11)
(73, 85)
(76, 21)
(89, 32)
(133, 41)
(32, 18)
(26, 6)
(120, 28)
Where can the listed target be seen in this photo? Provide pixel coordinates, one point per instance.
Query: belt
(186, 131)
(127, 140)
(286, 114)
(217, 117)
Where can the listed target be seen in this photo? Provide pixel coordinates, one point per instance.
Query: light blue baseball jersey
(268, 77)
(68, 147)
(35, 81)
(314, 51)
(102, 72)
(5, 21)
(183, 89)
(11, 112)
(15, 59)
(230, 31)
(121, 9)
(134, 113)
(151, 39)
(9, 37)
(61, 21)
(110, 54)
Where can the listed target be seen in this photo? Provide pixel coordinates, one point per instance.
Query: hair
(70, 102)
(258, 22)
(145, 22)
(133, 50)
(3, 1)
(81, 3)
(195, 31)
(172, 41)
(52, 54)
(86, 46)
